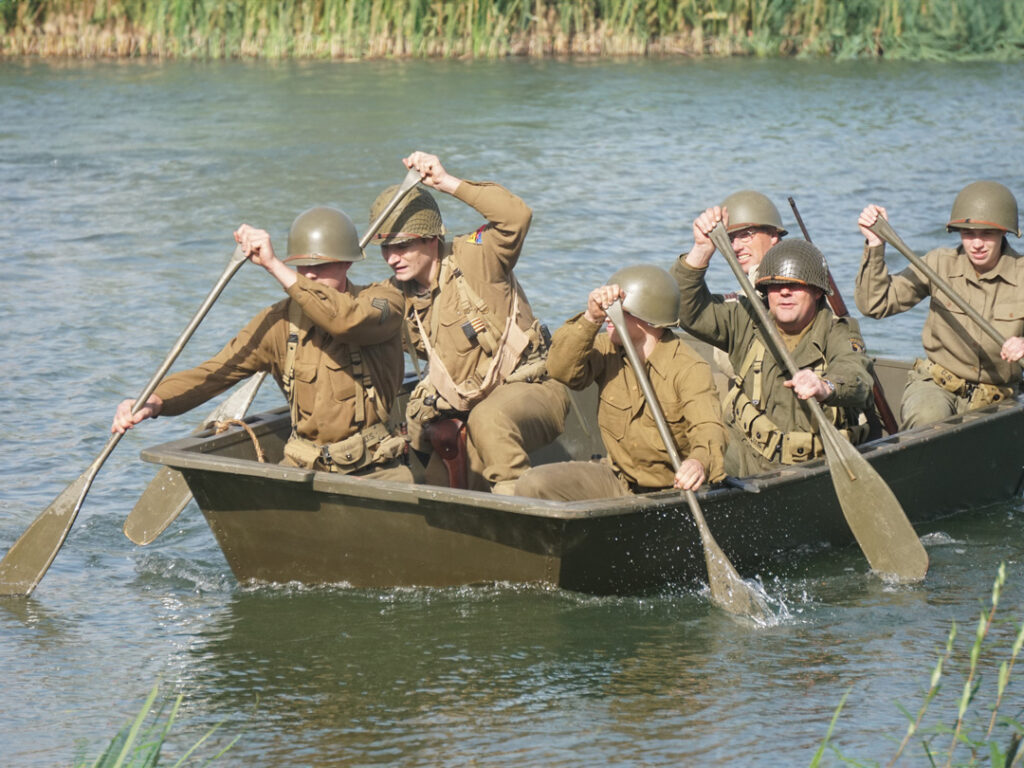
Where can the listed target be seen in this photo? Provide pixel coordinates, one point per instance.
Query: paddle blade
(159, 505)
(168, 494)
(875, 516)
(728, 590)
(27, 561)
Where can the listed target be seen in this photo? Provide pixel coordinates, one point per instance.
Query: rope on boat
(222, 426)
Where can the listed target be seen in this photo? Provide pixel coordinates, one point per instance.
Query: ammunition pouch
(977, 394)
(776, 445)
(370, 446)
(986, 394)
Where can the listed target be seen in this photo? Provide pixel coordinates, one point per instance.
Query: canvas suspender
(298, 323)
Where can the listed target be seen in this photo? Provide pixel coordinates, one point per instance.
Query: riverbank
(354, 29)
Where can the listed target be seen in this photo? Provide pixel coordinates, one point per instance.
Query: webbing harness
(299, 323)
(762, 433)
(503, 347)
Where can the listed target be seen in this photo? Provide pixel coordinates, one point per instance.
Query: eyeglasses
(746, 235)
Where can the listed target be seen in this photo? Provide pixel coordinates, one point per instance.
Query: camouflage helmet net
(794, 261)
(416, 216)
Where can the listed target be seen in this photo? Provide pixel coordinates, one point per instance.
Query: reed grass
(139, 744)
(359, 29)
(974, 738)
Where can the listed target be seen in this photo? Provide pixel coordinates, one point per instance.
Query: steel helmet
(984, 205)
(652, 294)
(416, 216)
(320, 235)
(748, 208)
(794, 261)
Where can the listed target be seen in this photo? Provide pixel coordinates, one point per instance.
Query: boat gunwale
(192, 453)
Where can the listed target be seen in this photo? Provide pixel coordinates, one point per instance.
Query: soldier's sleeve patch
(857, 345)
(383, 307)
(478, 236)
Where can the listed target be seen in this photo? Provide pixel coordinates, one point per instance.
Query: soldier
(637, 459)
(754, 225)
(964, 369)
(334, 348)
(468, 316)
(752, 222)
(766, 424)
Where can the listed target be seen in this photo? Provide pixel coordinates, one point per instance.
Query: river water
(120, 185)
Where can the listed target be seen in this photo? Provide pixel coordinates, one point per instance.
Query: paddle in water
(168, 493)
(871, 509)
(28, 560)
(728, 590)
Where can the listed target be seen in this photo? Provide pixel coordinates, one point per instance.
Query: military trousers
(925, 402)
(571, 481)
(502, 430)
(741, 458)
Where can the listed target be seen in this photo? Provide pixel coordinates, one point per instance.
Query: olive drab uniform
(767, 425)
(485, 350)
(637, 461)
(963, 369)
(337, 356)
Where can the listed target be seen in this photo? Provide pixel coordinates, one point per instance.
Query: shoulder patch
(383, 307)
(857, 344)
(478, 236)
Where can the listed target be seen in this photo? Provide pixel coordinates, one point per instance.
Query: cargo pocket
(1008, 318)
(673, 412)
(342, 385)
(304, 386)
(613, 416)
(348, 454)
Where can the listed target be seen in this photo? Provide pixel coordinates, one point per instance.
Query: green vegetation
(357, 29)
(978, 734)
(138, 745)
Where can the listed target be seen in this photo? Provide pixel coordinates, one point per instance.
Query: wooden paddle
(168, 494)
(835, 301)
(884, 230)
(728, 590)
(27, 561)
(872, 511)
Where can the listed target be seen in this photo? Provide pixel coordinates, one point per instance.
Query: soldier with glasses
(963, 368)
(754, 225)
(333, 347)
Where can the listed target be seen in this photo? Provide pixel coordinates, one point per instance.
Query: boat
(279, 524)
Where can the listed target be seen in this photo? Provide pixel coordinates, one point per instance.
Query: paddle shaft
(412, 178)
(835, 301)
(884, 230)
(728, 590)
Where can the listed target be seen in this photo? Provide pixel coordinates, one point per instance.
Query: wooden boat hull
(280, 524)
